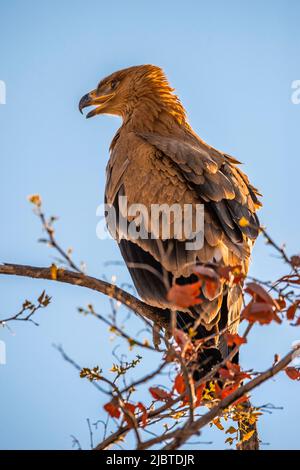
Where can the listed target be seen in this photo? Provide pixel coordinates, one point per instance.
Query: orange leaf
(159, 394)
(129, 407)
(199, 394)
(112, 409)
(240, 400)
(179, 384)
(225, 392)
(233, 372)
(291, 311)
(248, 435)
(35, 199)
(261, 312)
(259, 293)
(217, 423)
(185, 296)
(292, 373)
(232, 340)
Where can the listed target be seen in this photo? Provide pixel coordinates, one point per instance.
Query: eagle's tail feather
(150, 287)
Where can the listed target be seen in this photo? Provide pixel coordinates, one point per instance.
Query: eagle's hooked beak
(93, 99)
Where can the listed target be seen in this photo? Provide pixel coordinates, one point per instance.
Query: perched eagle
(157, 159)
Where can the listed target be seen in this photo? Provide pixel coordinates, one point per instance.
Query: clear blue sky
(232, 63)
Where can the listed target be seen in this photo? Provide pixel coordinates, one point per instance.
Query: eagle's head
(143, 87)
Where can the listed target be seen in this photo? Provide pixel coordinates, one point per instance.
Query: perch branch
(160, 317)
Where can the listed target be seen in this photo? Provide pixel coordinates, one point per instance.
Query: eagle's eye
(113, 84)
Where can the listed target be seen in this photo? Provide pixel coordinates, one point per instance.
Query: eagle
(156, 159)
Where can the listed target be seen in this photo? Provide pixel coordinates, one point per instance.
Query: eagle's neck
(154, 108)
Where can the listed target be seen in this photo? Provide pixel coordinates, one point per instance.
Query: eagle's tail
(146, 273)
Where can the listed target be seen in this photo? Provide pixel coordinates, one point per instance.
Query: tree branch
(159, 316)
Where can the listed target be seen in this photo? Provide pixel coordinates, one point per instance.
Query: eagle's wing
(218, 182)
(160, 169)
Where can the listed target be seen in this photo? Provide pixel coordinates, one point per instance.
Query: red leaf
(225, 392)
(233, 372)
(261, 312)
(131, 409)
(185, 296)
(112, 409)
(199, 394)
(291, 311)
(232, 340)
(179, 384)
(143, 409)
(292, 373)
(160, 394)
(240, 400)
(259, 293)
